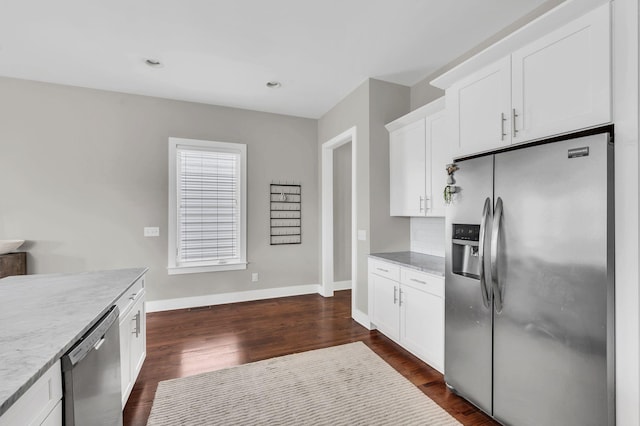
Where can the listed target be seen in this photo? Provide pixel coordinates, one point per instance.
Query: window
(207, 206)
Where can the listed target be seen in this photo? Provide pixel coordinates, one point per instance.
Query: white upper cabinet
(419, 150)
(558, 83)
(479, 108)
(407, 159)
(439, 157)
(562, 82)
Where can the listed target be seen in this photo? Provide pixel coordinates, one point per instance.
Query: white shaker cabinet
(419, 150)
(41, 404)
(385, 293)
(556, 84)
(407, 165)
(562, 82)
(422, 315)
(407, 306)
(479, 108)
(438, 158)
(132, 336)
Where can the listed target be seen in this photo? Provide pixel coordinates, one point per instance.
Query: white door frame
(327, 286)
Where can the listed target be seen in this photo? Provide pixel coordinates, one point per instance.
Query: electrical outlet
(254, 277)
(151, 231)
(362, 235)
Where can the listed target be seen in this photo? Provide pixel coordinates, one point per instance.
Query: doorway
(342, 189)
(328, 281)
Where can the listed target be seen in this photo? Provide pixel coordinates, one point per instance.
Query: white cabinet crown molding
(417, 114)
(550, 21)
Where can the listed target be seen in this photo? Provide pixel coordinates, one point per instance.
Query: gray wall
(83, 171)
(370, 106)
(422, 92)
(387, 102)
(342, 213)
(353, 110)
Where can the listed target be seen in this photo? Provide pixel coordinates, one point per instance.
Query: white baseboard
(342, 285)
(220, 299)
(361, 318)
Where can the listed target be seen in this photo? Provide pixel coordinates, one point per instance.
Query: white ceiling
(223, 52)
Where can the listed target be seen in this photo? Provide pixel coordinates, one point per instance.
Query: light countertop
(43, 316)
(411, 259)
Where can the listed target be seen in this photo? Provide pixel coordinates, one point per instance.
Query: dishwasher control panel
(90, 339)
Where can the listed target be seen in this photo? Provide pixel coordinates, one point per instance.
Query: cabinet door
(385, 316)
(562, 82)
(125, 356)
(407, 170)
(422, 325)
(439, 155)
(40, 403)
(138, 337)
(479, 107)
(55, 416)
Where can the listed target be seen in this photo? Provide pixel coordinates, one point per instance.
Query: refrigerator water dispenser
(464, 253)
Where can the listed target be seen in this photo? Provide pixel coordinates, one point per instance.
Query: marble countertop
(411, 259)
(43, 316)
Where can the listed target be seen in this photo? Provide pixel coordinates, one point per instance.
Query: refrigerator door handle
(495, 237)
(485, 274)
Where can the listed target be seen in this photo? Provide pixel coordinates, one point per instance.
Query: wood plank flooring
(185, 342)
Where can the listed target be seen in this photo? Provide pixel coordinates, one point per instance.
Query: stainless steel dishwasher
(91, 376)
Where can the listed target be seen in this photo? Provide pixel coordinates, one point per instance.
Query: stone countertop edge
(12, 390)
(422, 262)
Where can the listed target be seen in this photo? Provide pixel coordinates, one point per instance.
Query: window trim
(173, 267)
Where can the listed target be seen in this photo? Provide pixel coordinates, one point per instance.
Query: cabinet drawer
(422, 281)
(38, 401)
(384, 269)
(129, 297)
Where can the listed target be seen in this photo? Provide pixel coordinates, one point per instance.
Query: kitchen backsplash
(427, 235)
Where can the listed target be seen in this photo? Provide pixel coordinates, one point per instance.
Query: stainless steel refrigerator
(529, 293)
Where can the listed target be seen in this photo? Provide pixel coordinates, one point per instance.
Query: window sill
(178, 270)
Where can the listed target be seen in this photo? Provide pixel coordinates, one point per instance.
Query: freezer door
(554, 311)
(467, 315)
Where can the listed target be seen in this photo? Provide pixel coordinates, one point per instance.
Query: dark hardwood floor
(190, 341)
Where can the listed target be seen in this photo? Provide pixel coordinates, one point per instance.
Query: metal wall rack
(286, 203)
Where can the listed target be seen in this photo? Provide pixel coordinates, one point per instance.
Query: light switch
(151, 231)
(362, 235)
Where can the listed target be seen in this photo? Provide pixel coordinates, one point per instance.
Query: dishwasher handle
(92, 340)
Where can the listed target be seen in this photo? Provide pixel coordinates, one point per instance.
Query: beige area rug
(341, 385)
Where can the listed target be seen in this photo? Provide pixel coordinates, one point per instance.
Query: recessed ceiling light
(154, 63)
(273, 84)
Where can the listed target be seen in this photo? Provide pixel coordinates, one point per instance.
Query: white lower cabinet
(55, 416)
(133, 341)
(41, 404)
(409, 310)
(385, 305)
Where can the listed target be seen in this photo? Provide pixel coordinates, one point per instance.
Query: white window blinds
(208, 211)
